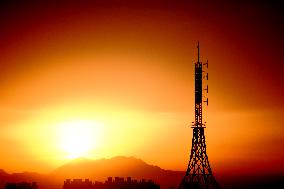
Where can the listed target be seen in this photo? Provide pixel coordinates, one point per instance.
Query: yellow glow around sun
(79, 138)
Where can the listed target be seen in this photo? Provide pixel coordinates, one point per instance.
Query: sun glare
(79, 138)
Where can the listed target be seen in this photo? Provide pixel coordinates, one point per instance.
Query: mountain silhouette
(130, 166)
(98, 170)
(117, 167)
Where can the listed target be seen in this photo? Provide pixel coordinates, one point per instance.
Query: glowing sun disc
(78, 138)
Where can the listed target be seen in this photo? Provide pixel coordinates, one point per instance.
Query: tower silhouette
(199, 174)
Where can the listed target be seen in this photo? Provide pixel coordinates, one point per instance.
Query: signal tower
(199, 174)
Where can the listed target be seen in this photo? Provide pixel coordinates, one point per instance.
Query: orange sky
(128, 68)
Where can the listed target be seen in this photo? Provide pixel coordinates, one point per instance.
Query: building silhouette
(110, 183)
(21, 185)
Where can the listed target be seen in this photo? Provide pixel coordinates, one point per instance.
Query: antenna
(199, 174)
(198, 51)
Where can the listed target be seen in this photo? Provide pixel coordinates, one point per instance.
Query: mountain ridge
(99, 169)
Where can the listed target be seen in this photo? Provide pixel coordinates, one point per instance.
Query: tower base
(199, 182)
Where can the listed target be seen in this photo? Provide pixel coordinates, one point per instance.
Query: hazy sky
(123, 73)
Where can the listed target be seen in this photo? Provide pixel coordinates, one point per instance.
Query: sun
(78, 138)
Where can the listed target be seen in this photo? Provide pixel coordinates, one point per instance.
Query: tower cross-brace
(199, 174)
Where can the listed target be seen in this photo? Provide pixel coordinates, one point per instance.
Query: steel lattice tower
(199, 174)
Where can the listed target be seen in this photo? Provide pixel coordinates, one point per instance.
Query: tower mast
(199, 174)
(198, 91)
